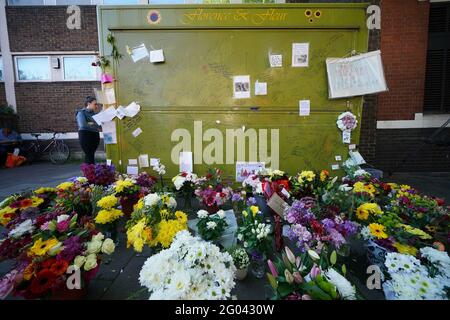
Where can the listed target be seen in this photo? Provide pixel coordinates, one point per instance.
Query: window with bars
(437, 79)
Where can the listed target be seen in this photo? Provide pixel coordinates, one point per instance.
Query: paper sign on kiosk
(139, 53)
(157, 56)
(143, 161)
(276, 60)
(241, 87)
(260, 88)
(132, 162)
(136, 132)
(304, 107)
(186, 161)
(300, 54)
(132, 170)
(105, 115)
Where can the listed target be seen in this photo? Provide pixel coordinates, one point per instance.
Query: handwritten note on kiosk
(260, 88)
(277, 204)
(143, 161)
(276, 60)
(304, 107)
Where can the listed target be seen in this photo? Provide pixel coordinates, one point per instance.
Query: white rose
(108, 246)
(221, 214)
(79, 261)
(94, 246)
(201, 214)
(151, 199)
(91, 262)
(98, 237)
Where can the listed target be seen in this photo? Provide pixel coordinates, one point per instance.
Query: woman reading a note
(88, 129)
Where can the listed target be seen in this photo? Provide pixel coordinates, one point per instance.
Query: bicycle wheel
(32, 153)
(59, 153)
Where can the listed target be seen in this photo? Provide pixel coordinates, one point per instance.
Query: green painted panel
(204, 47)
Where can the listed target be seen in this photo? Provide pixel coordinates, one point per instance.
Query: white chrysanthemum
(365, 233)
(402, 262)
(440, 259)
(211, 225)
(221, 214)
(151, 200)
(202, 214)
(343, 286)
(21, 229)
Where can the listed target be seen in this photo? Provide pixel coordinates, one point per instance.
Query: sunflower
(40, 247)
(59, 267)
(43, 281)
(378, 230)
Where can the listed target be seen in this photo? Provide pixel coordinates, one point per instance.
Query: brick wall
(51, 104)
(2, 93)
(404, 41)
(39, 28)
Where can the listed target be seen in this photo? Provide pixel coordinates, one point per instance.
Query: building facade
(45, 74)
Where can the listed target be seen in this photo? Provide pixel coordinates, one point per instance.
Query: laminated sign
(356, 76)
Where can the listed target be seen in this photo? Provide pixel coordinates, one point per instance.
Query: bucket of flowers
(311, 184)
(304, 278)
(108, 215)
(423, 278)
(241, 262)
(255, 236)
(199, 271)
(75, 195)
(154, 222)
(211, 191)
(184, 184)
(128, 193)
(58, 258)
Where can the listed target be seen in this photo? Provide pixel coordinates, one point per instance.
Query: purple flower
(336, 238)
(300, 235)
(251, 201)
(63, 225)
(348, 228)
(256, 255)
(236, 197)
(328, 224)
(299, 212)
(72, 248)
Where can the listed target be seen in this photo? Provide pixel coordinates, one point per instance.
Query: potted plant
(241, 262)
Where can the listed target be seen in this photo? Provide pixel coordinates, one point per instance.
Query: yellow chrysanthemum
(405, 249)
(362, 187)
(107, 202)
(136, 235)
(65, 185)
(42, 190)
(378, 230)
(121, 185)
(181, 216)
(40, 247)
(167, 229)
(365, 209)
(139, 205)
(306, 176)
(417, 232)
(254, 210)
(108, 215)
(36, 201)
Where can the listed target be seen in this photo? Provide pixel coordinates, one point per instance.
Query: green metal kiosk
(188, 103)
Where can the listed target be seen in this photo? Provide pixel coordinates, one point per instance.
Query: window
(79, 68)
(1, 68)
(25, 2)
(32, 68)
(437, 79)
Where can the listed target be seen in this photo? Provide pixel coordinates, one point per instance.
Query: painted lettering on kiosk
(239, 15)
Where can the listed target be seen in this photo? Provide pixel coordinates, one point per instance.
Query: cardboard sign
(277, 204)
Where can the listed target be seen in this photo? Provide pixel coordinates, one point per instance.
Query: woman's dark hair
(88, 100)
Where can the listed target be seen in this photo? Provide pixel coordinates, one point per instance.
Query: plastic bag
(14, 161)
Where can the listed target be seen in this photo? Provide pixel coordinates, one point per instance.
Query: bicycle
(58, 150)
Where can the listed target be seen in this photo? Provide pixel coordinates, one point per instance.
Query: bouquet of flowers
(240, 258)
(184, 184)
(253, 232)
(146, 182)
(211, 191)
(14, 206)
(253, 184)
(414, 279)
(300, 278)
(199, 271)
(99, 174)
(274, 181)
(129, 193)
(108, 214)
(48, 248)
(155, 222)
(310, 183)
(75, 195)
(308, 230)
(211, 227)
